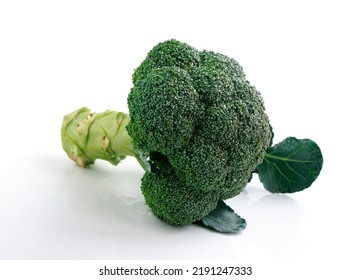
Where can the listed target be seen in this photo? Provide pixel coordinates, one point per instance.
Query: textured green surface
(197, 109)
(172, 201)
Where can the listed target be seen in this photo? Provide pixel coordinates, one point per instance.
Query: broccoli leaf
(224, 219)
(290, 166)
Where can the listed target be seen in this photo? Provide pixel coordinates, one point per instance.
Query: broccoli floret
(197, 163)
(222, 63)
(166, 110)
(171, 200)
(170, 53)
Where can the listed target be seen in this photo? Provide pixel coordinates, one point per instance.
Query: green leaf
(290, 166)
(224, 219)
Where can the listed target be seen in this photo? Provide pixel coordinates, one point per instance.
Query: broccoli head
(203, 126)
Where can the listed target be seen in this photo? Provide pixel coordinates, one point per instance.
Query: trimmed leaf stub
(290, 166)
(224, 219)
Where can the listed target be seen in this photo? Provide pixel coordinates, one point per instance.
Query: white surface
(57, 57)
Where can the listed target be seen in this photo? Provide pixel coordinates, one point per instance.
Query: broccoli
(207, 121)
(196, 125)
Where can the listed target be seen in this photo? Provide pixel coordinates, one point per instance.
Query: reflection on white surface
(62, 211)
(273, 220)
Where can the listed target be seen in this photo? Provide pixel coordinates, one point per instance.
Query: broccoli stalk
(88, 136)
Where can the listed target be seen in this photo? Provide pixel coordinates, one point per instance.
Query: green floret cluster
(203, 126)
(172, 201)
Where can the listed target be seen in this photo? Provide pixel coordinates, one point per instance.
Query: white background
(56, 56)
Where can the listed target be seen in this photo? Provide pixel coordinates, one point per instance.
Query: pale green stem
(88, 136)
